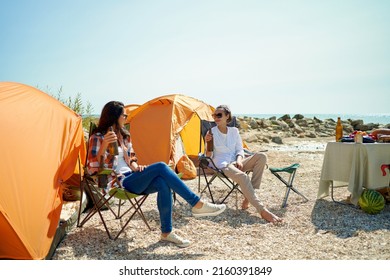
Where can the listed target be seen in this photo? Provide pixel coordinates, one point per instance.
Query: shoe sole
(173, 243)
(209, 214)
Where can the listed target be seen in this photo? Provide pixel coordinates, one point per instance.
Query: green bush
(76, 104)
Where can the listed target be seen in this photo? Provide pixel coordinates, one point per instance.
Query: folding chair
(102, 199)
(208, 167)
(291, 170)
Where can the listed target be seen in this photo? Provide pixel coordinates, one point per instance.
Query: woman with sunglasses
(141, 179)
(228, 155)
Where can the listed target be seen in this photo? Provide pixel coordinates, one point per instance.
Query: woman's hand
(141, 168)
(137, 168)
(208, 137)
(109, 137)
(239, 164)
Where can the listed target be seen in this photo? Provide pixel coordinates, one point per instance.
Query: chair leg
(96, 208)
(286, 197)
(136, 207)
(338, 201)
(289, 186)
(208, 183)
(81, 203)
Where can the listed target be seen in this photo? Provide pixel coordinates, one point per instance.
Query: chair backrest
(92, 127)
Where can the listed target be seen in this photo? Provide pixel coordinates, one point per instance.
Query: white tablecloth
(357, 165)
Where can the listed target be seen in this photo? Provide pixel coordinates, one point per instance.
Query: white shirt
(122, 166)
(226, 146)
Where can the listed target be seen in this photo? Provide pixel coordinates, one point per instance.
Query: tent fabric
(156, 125)
(41, 141)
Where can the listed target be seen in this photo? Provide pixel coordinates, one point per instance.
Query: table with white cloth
(355, 165)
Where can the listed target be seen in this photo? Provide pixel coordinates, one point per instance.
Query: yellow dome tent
(158, 124)
(41, 140)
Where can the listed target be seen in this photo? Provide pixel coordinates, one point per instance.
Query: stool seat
(289, 169)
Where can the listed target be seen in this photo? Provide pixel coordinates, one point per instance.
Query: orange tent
(155, 127)
(41, 140)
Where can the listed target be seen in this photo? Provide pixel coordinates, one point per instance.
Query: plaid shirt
(110, 161)
(94, 144)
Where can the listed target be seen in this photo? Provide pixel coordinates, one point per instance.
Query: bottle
(113, 147)
(210, 144)
(339, 130)
(102, 179)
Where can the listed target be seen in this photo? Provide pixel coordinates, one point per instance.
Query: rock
(298, 117)
(275, 122)
(284, 117)
(311, 134)
(317, 120)
(265, 140)
(365, 127)
(253, 124)
(277, 140)
(273, 129)
(355, 122)
(348, 128)
(244, 125)
(297, 129)
(251, 139)
(302, 122)
(284, 125)
(265, 123)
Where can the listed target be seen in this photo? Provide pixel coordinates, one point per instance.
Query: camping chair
(95, 186)
(291, 170)
(208, 167)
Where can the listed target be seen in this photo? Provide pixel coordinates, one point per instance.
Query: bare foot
(245, 204)
(270, 217)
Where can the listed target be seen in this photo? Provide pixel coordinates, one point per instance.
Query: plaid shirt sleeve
(93, 148)
(94, 145)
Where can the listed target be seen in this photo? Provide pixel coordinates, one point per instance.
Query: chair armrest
(106, 171)
(207, 162)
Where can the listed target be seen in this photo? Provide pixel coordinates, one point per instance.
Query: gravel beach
(313, 230)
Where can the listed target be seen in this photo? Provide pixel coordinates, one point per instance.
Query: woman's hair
(109, 116)
(227, 111)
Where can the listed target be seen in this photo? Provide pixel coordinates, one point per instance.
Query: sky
(257, 56)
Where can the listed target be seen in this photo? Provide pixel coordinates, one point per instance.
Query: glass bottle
(102, 179)
(113, 147)
(339, 130)
(210, 144)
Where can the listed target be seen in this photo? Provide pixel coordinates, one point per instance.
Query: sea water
(367, 118)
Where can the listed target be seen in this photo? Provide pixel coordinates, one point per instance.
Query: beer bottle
(339, 130)
(113, 147)
(210, 144)
(102, 179)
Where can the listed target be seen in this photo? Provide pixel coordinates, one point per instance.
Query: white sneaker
(177, 240)
(208, 209)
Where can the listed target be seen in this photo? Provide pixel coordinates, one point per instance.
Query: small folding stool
(292, 169)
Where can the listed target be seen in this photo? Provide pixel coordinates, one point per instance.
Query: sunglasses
(218, 116)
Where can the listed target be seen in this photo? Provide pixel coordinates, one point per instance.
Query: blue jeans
(158, 177)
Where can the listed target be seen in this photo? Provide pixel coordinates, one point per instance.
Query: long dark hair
(109, 116)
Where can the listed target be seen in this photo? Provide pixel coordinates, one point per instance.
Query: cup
(358, 138)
